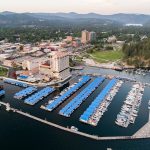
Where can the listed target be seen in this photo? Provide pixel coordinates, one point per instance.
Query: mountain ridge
(8, 17)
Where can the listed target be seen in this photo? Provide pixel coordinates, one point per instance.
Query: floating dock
(32, 100)
(56, 102)
(87, 115)
(80, 98)
(25, 92)
(15, 82)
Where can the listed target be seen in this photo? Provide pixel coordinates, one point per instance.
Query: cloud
(82, 6)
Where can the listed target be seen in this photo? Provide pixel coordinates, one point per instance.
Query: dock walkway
(94, 137)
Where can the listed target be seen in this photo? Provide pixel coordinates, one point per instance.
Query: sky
(79, 6)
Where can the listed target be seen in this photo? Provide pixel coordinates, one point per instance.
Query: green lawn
(106, 56)
(79, 59)
(3, 71)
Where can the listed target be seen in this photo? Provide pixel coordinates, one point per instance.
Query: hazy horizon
(76, 12)
(86, 6)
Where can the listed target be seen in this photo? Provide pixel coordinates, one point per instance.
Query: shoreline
(110, 65)
(60, 83)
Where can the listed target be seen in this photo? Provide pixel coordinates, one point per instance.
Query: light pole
(149, 110)
(149, 115)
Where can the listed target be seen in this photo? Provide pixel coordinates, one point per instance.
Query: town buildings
(43, 61)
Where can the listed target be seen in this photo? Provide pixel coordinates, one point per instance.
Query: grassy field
(107, 56)
(79, 59)
(3, 71)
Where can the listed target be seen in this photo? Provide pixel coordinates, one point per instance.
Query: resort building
(57, 66)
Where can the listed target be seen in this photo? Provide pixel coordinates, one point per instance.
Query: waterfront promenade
(94, 137)
(62, 82)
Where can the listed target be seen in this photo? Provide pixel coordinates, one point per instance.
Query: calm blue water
(18, 132)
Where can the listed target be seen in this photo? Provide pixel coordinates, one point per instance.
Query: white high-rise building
(57, 66)
(59, 62)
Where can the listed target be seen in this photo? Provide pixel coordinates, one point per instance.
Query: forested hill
(138, 53)
(12, 19)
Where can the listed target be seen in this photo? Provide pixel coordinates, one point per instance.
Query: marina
(32, 100)
(80, 98)
(52, 104)
(25, 92)
(72, 125)
(96, 110)
(129, 110)
(75, 75)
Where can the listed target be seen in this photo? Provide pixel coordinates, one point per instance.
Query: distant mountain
(122, 18)
(46, 16)
(10, 19)
(7, 13)
(73, 15)
(130, 18)
(147, 23)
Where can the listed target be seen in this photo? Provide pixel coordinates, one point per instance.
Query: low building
(112, 39)
(33, 63)
(45, 69)
(76, 43)
(8, 63)
(4, 56)
(27, 48)
(120, 42)
(69, 38)
(143, 37)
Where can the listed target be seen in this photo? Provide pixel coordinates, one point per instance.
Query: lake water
(18, 132)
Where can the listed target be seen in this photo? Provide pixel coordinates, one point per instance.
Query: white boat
(149, 102)
(74, 128)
